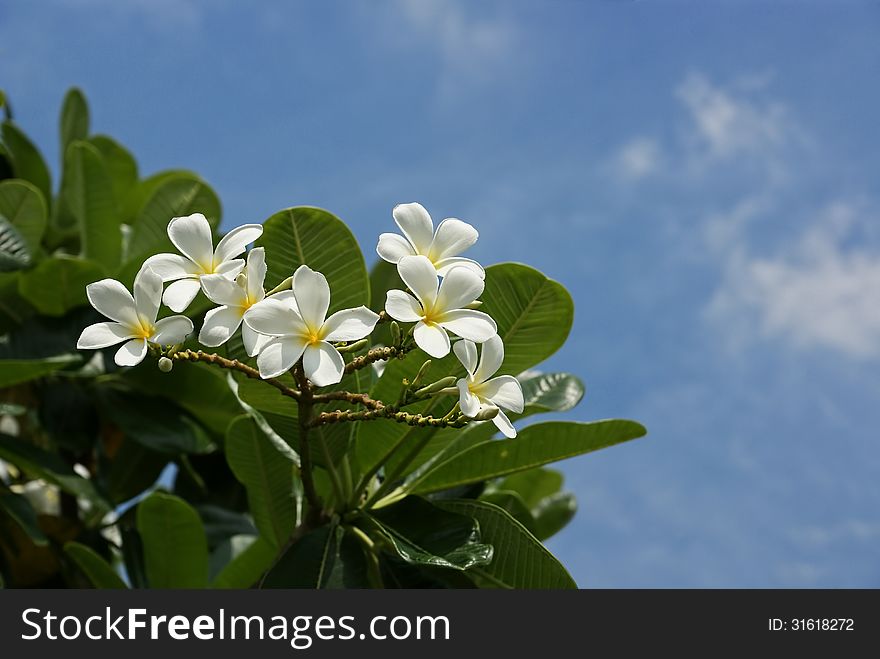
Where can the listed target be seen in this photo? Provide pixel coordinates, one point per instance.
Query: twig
(233, 365)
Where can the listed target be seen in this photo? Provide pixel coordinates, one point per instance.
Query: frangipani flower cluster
(289, 327)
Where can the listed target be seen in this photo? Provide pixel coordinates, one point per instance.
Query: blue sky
(701, 176)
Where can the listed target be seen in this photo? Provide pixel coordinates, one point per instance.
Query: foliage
(379, 480)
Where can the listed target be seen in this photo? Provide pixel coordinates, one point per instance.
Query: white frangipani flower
(134, 318)
(477, 391)
(439, 306)
(300, 328)
(192, 236)
(441, 247)
(236, 296)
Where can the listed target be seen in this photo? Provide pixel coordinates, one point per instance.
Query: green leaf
(130, 471)
(154, 423)
(246, 568)
(349, 569)
(14, 250)
(320, 240)
(121, 166)
(22, 204)
(533, 313)
(175, 548)
(58, 284)
(553, 514)
(27, 163)
(383, 278)
(98, 571)
(422, 534)
(533, 485)
(308, 563)
(174, 195)
(23, 513)
(74, 123)
(145, 189)
(39, 463)
(267, 476)
(87, 192)
(512, 503)
(520, 561)
(536, 445)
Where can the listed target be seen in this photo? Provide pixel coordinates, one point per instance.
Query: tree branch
(232, 365)
(375, 355)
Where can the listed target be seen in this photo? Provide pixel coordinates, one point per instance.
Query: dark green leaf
(121, 166)
(14, 250)
(247, 565)
(424, 534)
(98, 571)
(533, 485)
(58, 284)
(175, 548)
(74, 123)
(553, 514)
(520, 561)
(22, 204)
(27, 163)
(320, 240)
(87, 193)
(23, 513)
(130, 471)
(268, 477)
(308, 563)
(349, 569)
(512, 503)
(536, 445)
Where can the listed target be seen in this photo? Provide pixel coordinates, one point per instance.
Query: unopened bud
(241, 279)
(395, 333)
(165, 364)
(436, 387)
(417, 380)
(353, 347)
(476, 304)
(486, 413)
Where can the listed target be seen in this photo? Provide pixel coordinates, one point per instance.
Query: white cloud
(818, 292)
(638, 158)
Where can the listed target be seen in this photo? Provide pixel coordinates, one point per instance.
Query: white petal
(274, 318)
(173, 329)
(101, 335)
(147, 293)
(219, 326)
(491, 359)
(171, 266)
(403, 307)
(287, 297)
(504, 391)
(419, 274)
(323, 364)
(416, 225)
(113, 300)
(229, 269)
(349, 324)
(392, 247)
(445, 265)
(432, 339)
(253, 341)
(180, 294)
(222, 290)
(279, 355)
(468, 324)
(235, 242)
(458, 289)
(452, 238)
(470, 404)
(256, 274)
(131, 353)
(192, 236)
(312, 293)
(466, 351)
(504, 425)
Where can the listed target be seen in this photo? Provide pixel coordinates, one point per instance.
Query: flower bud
(422, 371)
(486, 414)
(241, 279)
(476, 304)
(395, 333)
(353, 347)
(165, 364)
(436, 387)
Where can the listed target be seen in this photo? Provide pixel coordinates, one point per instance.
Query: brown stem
(306, 399)
(375, 355)
(392, 413)
(232, 365)
(358, 399)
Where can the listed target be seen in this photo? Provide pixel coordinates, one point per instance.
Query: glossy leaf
(534, 313)
(553, 514)
(120, 164)
(320, 240)
(513, 504)
(22, 513)
(22, 204)
(521, 561)
(175, 548)
(16, 371)
(533, 485)
(308, 563)
(87, 193)
(74, 124)
(58, 284)
(536, 445)
(423, 534)
(27, 163)
(98, 571)
(246, 568)
(268, 477)
(15, 254)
